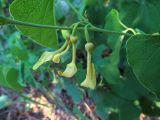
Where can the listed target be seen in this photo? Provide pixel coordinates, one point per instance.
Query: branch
(7, 21)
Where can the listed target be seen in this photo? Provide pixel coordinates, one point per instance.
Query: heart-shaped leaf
(144, 58)
(38, 12)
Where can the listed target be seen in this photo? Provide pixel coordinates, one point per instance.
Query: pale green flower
(90, 80)
(47, 56)
(71, 68)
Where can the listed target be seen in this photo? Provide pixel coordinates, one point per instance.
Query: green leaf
(3, 82)
(73, 91)
(108, 103)
(12, 79)
(129, 111)
(144, 58)
(38, 12)
(109, 69)
(129, 87)
(17, 47)
(9, 78)
(113, 23)
(146, 15)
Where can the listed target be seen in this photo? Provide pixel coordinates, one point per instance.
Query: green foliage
(145, 16)
(124, 64)
(39, 12)
(143, 56)
(9, 77)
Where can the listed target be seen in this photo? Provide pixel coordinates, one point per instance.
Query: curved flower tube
(90, 80)
(71, 68)
(57, 57)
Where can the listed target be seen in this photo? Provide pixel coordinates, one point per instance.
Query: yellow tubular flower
(71, 68)
(47, 56)
(90, 81)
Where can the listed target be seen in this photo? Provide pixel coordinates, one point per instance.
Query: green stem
(75, 10)
(62, 48)
(75, 29)
(91, 29)
(65, 51)
(86, 33)
(73, 52)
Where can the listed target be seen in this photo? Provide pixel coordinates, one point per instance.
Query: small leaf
(12, 79)
(9, 78)
(109, 68)
(38, 12)
(113, 23)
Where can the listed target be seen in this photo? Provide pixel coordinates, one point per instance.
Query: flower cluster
(71, 69)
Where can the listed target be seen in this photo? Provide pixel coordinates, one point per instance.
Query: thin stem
(75, 10)
(86, 33)
(65, 51)
(91, 29)
(73, 52)
(75, 29)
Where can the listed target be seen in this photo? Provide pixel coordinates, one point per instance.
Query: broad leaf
(144, 58)
(146, 15)
(108, 103)
(39, 12)
(129, 87)
(129, 111)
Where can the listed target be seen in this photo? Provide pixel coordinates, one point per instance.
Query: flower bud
(89, 47)
(56, 58)
(65, 34)
(73, 39)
